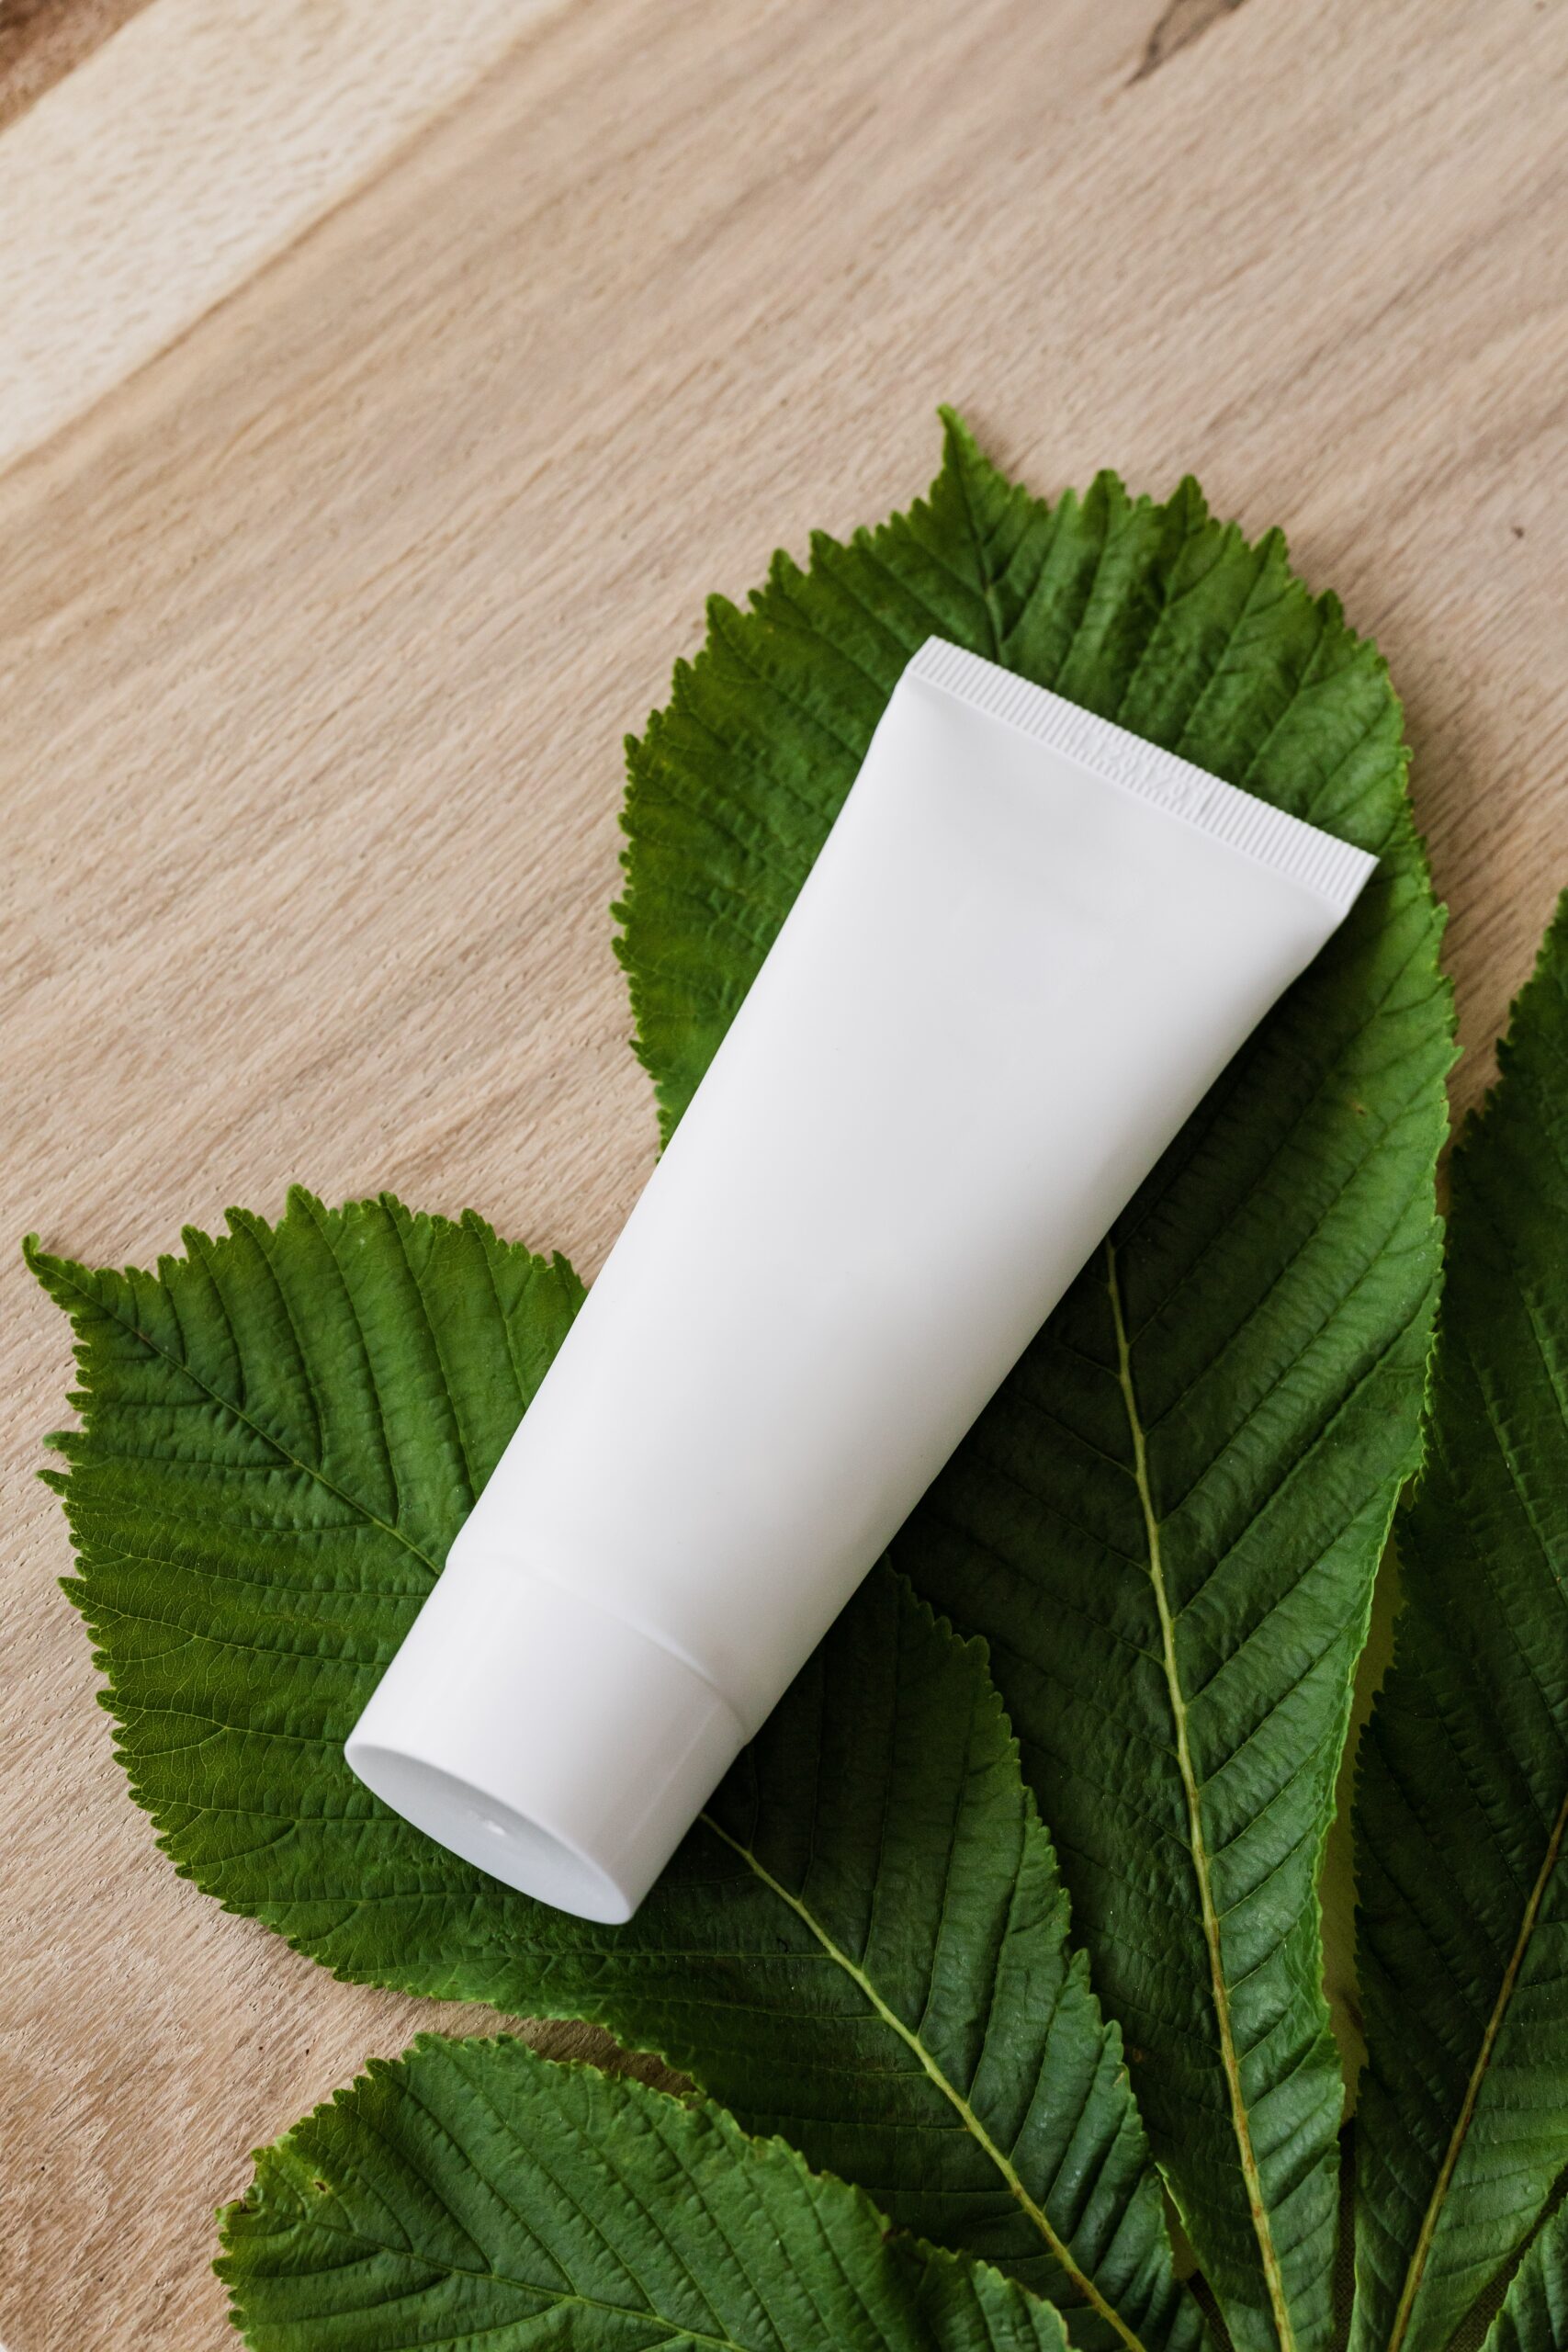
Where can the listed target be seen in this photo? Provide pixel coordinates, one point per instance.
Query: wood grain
(202, 140)
(42, 40)
(319, 637)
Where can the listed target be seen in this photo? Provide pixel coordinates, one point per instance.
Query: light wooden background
(42, 40)
(320, 634)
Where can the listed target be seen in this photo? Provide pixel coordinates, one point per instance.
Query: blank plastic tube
(1030, 945)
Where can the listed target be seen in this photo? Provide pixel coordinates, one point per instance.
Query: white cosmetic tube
(1030, 945)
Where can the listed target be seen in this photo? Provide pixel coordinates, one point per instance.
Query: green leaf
(865, 1948)
(1168, 1523)
(472, 2191)
(1462, 1784)
(865, 1943)
(1534, 2317)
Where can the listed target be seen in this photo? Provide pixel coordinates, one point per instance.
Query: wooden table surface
(320, 634)
(42, 40)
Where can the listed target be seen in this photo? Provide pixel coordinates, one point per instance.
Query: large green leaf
(1168, 1523)
(472, 2192)
(1462, 1783)
(1534, 2316)
(865, 1943)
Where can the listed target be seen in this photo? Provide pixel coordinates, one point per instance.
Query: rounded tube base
(543, 1739)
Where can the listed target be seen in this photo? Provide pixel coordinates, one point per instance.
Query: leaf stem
(1466, 2116)
(1197, 1839)
(972, 2124)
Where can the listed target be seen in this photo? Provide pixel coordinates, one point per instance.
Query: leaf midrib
(949, 2089)
(267, 1437)
(1426, 2237)
(554, 2296)
(988, 579)
(1197, 1835)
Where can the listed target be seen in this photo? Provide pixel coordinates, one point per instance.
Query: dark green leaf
(864, 1945)
(1168, 1523)
(1534, 2317)
(1462, 1785)
(475, 2193)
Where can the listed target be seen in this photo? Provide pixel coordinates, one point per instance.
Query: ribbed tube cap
(548, 1742)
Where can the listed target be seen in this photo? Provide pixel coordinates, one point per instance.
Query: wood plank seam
(198, 143)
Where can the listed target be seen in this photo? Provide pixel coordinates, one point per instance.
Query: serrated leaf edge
(255, 2200)
(57, 1274)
